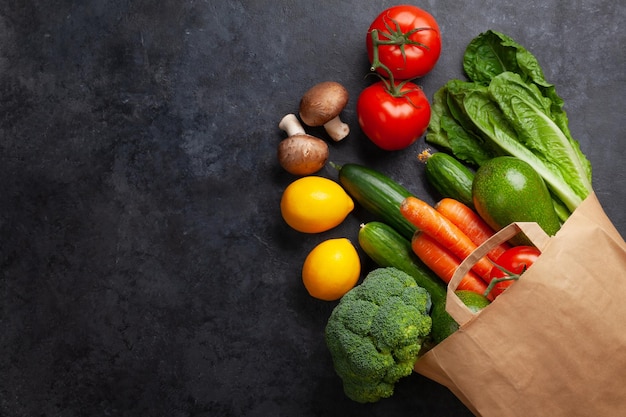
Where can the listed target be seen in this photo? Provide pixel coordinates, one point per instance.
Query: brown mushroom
(300, 153)
(321, 106)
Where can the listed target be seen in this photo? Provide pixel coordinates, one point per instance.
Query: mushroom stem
(291, 125)
(337, 129)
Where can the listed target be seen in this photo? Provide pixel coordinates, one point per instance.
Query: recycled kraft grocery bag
(554, 343)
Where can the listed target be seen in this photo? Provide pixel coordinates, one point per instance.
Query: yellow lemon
(331, 269)
(315, 204)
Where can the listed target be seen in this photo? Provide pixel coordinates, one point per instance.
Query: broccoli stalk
(376, 332)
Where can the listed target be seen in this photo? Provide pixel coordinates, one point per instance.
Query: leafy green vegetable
(557, 159)
(508, 108)
(451, 128)
(492, 53)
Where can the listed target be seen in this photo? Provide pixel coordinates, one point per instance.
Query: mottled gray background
(145, 269)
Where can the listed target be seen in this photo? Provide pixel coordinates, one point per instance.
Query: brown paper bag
(554, 343)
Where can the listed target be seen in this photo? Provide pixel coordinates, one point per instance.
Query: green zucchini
(386, 247)
(449, 177)
(378, 194)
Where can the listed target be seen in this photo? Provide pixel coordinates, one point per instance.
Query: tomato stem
(376, 57)
(393, 88)
(394, 36)
(510, 276)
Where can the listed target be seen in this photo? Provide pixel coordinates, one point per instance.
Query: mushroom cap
(322, 103)
(302, 154)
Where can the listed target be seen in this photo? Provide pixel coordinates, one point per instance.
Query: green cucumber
(378, 194)
(449, 177)
(388, 248)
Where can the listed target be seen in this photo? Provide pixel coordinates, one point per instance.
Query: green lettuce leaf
(508, 108)
(492, 53)
(452, 130)
(529, 112)
(515, 116)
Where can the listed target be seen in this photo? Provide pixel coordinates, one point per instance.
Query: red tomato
(516, 260)
(393, 118)
(411, 42)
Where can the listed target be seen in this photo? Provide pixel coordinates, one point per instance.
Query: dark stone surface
(145, 269)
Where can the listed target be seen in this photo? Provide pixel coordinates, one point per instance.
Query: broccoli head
(375, 333)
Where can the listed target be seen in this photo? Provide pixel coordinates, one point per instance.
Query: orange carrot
(443, 263)
(470, 223)
(423, 216)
